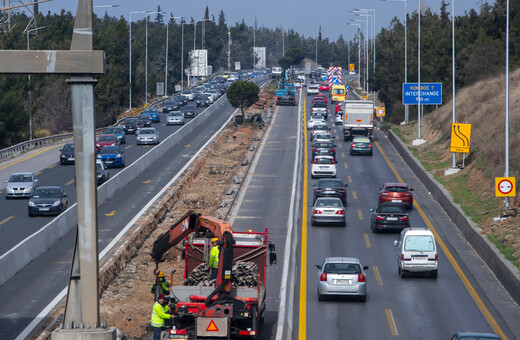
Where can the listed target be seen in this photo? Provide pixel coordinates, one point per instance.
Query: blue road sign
(347, 87)
(431, 94)
(336, 81)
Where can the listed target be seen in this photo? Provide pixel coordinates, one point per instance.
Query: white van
(276, 72)
(416, 251)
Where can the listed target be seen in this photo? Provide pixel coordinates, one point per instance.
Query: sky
(303, 16)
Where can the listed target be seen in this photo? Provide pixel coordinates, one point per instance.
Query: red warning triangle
(212, 327)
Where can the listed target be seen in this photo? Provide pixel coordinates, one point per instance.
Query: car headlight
(31, 204)
(99, 175)
(29, 188)
(99, 156)
(55, 204)
(63, 156)
(118, 156)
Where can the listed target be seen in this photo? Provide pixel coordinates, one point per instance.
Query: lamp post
(419, 69)
(316, 51)
(506, 172)
(146, 58)
(364, 14)
(406, 119)
(283, 42)
(372, 12)
(453, 67)
(130, 57)
(166, 65)
(359, 51)
(29, 81)
(365, 55)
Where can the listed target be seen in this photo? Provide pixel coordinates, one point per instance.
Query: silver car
(147, 136)
(328, 210)
(342, 276)
(175, 118)
(20, 184)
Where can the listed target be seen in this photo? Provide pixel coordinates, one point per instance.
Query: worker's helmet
(161, 296)
(161, 274)
(214, 239)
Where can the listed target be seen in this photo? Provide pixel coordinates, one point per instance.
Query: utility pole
(229, 51)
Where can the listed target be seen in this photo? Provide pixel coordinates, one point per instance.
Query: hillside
(483, 106)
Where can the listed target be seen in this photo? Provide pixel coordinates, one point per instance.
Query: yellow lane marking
(148, 181)
(339, 146)
(187, 145)
(128, 147)
(7, 220)
(342, 154)
(70, 182)
(52, 166)
(336, 137)
(31, 156)
(367, 241)
(354, 195)
(38, 173)
(492, 322)
(112, 213)
(345, 165)
(375, 269)
(349, 179)
(302, 332)
(360, 215)
(391, 322)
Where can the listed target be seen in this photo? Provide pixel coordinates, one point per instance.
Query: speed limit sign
(380, 111)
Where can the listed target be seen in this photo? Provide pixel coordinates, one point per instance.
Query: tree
(242, 94)
(285, 62)
(296, 55)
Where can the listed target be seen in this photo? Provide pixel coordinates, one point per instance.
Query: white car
(313, 88)
(339, 119)
(189, 95)
(352, 72)
(175, 118)
(315, 120)
(147, 135)
(323, 137)
(323, 166)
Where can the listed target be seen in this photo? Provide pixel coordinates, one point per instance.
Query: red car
(396, 192)
(338, 107)
(106, 140)
(324, 87)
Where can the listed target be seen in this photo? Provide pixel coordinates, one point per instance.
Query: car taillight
(332, 162)
(403, 259)
(340, 212)
(241, 332)
(436, 257)
(353, 145)
(323, 277)
(316, 211)
(361, 278)
(178, 331)
(380, 218)
(404, 218)
(314, 150)
(407, 194)
(315, 161)
(318, 190)
(332, 150)
(341, 190)
(370, 145)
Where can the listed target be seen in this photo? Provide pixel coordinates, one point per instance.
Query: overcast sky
(304, 16)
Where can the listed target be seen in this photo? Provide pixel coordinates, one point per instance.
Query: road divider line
(367, 241)
(359, 214)
(342, 154)
(302, 332)
(7, 220)
(345, 165)
(31, 156)
(70, 182)
(354, 195)
(478, 301)
(38, 173)
(52, 166)
(349, 179)
(375, 269)
(339, 146)
(391, 322)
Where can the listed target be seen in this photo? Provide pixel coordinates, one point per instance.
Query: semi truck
(232, 306)
(358, 119)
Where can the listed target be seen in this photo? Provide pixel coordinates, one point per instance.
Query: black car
(189, 111)
(67, 154)
(183, 100)
(101, 172)
(131, 125)
(323, 148)
(49, 200)
(331, 187)
(170, 105)
(389, 216)
(144, 120)
(204, 100)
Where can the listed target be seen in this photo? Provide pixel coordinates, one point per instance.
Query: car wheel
(321, 297)
(371, 153)
(433, 274)
(351, 153)
(374, 230)
(31, 214)
(402, 273)
(363, 298)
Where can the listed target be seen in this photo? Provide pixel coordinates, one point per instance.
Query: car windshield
(68, 147)
(317, 117)
(113, 130)
(328, 202)
(419, 243)
(387, 209)
(330, 184)
(319, 103)
(143, 117)
(169, 102)
(131, 121)
(320, 127)
(396, 189)
(147, 131)
(323, 160)
(189, 107)
(176, 113)
(323, 145)
(361, 140)
(109, 150)
(20, 178)
(342, 268)
(107, 138)
(46, 193)
(338, 91)
(321, 136)
(150, 110)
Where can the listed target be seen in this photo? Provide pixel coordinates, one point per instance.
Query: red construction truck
(226, 309)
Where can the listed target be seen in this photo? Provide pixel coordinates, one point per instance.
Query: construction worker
(159, 314)
(214, 257)
(164, 285)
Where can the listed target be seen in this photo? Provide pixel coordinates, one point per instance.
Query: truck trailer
(358, 119)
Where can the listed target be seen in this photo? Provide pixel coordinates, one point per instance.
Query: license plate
(420, 258)
(392, 218)
(43, 209)
(328, 212)
(345, 282)
(71, 158)
(328, 192)
(324, 167)
(397, 200)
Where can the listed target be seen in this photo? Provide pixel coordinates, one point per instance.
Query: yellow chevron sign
(460, 137)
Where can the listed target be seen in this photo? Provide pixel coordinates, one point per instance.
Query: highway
(416, 307)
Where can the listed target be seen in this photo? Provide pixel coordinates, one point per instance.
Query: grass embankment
(473, 188)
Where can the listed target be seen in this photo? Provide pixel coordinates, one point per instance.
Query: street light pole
(506, 172)
(166, 65)
(130, 57)
(359, 51)
(182, 55)
(453, 68)
(29, 81)
(146, 58)
(419, 69)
